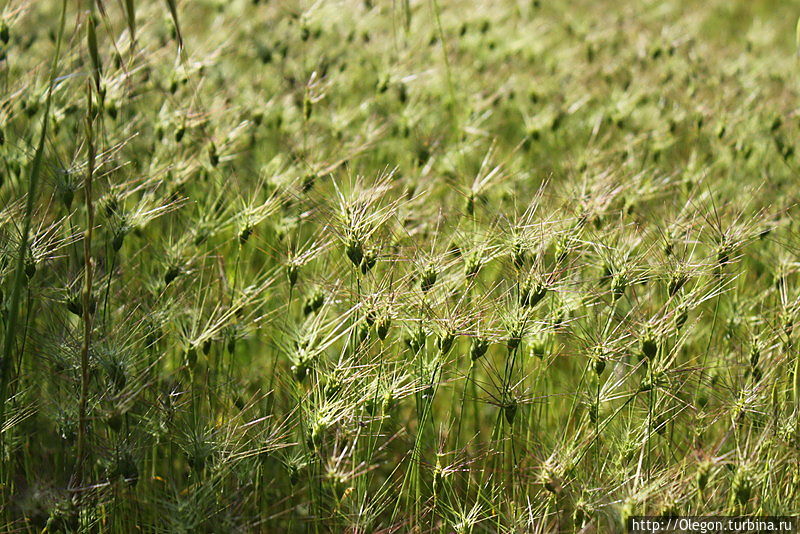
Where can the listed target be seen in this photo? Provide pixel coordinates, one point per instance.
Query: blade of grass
(130, 15)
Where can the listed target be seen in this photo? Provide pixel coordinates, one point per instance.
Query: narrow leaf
(130, 13)
(173, 10)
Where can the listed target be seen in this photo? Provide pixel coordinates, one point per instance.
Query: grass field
(384, 267)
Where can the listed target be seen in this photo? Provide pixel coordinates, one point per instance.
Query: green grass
(425, 266)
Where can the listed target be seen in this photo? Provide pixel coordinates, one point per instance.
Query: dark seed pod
(112, 109)
(197, 460)
(445, 342)
(67, 196)
(171, 274)
(531, 293)
(599, 364)
(313, 302)
(245, 234)
(308, 182)
(110, 204)
(757, 374)
(478, 348)
(213, 155)
(382, 328)
(552, 483)
(370, 315)
(402, 93)
(368, 261)
(264, 53)
(294, 474)
(190, 357)
(316, 436)
(382, 85)
(114, 421)
(355, 251)
(30, 268)
(116, 242)
(510, 411)
(649, 345)
(75, 305)
(291, 274)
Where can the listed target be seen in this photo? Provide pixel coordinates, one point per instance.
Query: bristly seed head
(428, 277)
(532, 291)
(382, 326)
(648, 343)
(478, 348)
(599, 358)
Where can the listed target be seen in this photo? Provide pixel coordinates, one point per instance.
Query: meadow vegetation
(411, 266)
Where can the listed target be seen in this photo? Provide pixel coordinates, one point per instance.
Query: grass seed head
(444, 341)
(648, 343)
(478, 348)
(382, 326)
(428, 277)
(510, 407)
(532, 291)
(599, 359)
